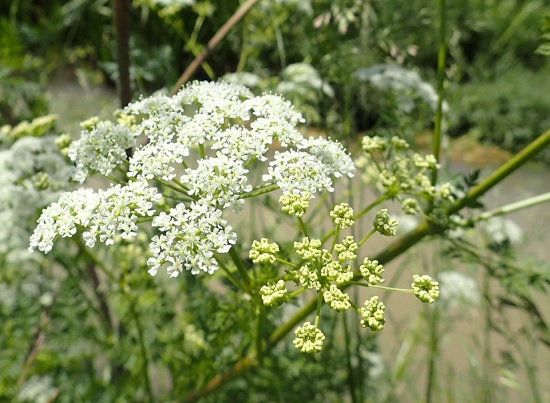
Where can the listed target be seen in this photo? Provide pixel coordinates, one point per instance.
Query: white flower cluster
(200, 146)
(101, 148)
(103, 214)
(190, 238)
(32, 173)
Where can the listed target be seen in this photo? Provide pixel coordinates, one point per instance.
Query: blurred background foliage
(491, 56)
(352, 67)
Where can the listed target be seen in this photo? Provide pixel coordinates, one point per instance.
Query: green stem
(503, 171)
(259, 191)
(370, 206)
(175, 188)
(335, 239)
(303, 226)
(349, 364)
(143, 348)
(287, 263)
(318, 310)
(436, 139)
(232, 277)
(433, 352)
(240, 267)
(402, 290)
(371, 233)
(297, 292)
(509, 208)
(375, 162)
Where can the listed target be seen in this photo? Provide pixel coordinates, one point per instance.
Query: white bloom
(103, 214)
(333, 156)
(157, 160)
(101, 149)
(298, 172)
(457, 289)
(240, 143)
(231, 128)
(503, 229)
(219, 181)
(276, 118)
(62, 218)
(190, 238)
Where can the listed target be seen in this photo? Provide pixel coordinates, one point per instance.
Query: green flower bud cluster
(372, 314)
(336, 299)
(399, 144)
(326, 271)
(373, 144)
(384, 224)
(309, 338)
(308, 249)
(425, 289)
(90, 123)
(274, 294)
(372, 271)
(410, 206)
(342, 216)
(398, 171)
(445, 192)
(427, 162)
(334, 271)
(308, 277)
(41, 181)
(38, 127)
(63, 141)
(263, 251)
(295, 204)
(346, 250)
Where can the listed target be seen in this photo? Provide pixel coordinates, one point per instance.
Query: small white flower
(62, 218)
(157, 160)
(457, 289)
(100, 149)
(333, 156)
(219, 181)
(298, 172)
(502, 229)
(191, 238)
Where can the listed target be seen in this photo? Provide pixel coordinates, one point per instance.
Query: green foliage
(544, 47)
(21, 79)
(509, 112)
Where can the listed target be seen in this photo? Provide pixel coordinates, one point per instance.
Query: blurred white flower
(501, 229)
(457, 289)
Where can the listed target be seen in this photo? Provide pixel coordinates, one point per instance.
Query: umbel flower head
(425, 289)
(309, 338)
(198, 147)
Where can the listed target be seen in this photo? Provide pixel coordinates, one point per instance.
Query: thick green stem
(503, 171)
